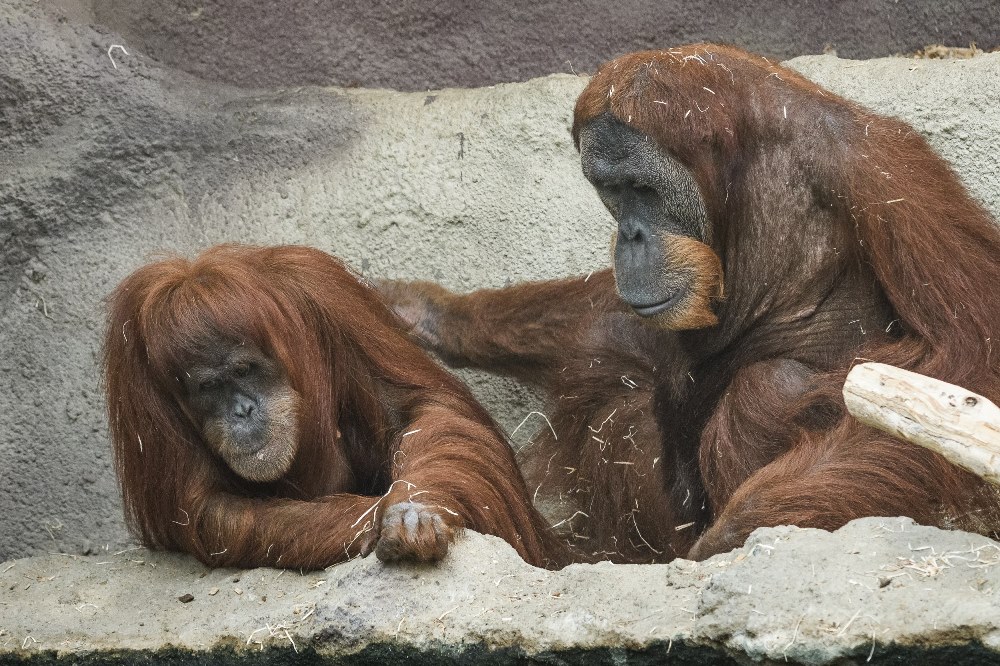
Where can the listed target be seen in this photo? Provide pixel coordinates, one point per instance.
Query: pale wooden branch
(960, 425)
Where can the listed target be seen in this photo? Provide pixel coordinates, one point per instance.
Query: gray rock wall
(104, 163)
(425, 44)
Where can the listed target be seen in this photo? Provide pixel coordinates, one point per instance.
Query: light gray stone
(879, 587)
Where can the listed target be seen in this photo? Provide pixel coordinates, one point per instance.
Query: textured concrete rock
(105, 162)
(421, 44)
(880, 588)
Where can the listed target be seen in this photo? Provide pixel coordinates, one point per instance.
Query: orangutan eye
(208, 385)
(242, 369)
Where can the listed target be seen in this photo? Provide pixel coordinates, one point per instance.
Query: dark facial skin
(654, 199)
(247, 412)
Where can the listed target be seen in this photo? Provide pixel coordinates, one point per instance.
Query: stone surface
(104, 163)
(880, 587)
(421, 44)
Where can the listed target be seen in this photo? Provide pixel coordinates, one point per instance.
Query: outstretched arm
(524, 331)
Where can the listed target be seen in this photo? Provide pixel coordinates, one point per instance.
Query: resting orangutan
(267, 409)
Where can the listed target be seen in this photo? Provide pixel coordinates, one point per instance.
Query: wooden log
(960, 425)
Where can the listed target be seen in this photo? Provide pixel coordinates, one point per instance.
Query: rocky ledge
(878, 590)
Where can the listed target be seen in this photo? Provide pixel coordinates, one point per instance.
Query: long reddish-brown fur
(378, 416)
(841, 236)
